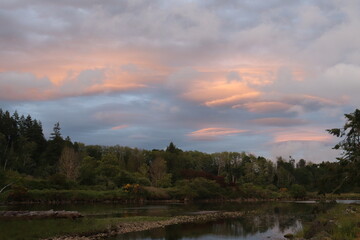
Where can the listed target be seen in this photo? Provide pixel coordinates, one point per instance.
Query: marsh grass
(347, 222)
(44, 228)
(341, 222)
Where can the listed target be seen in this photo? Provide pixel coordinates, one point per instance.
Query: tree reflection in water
(263, 221)
(269, 222)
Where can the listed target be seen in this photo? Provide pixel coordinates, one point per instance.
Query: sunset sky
(266, 77)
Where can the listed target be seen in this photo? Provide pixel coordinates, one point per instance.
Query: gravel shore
(122, 228)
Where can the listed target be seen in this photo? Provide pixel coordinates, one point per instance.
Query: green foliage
(21, 194)
(2, 178)
(297, 191)
(59, 181)
(87, 171)
(197, 188)
(154, 193)
(124, 177)
(40, 229)
(351, 133)
(18, 194)
(33, 162)
(337, 221)
(350, 145)
(249, 190)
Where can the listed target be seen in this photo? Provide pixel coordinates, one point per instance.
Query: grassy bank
(335, 222)
(252, 193)
(195, 189)
(39, 229)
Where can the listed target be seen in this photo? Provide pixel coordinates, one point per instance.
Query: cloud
(120, 127)
(281, 69)
(24, 86)
(302, 135)
(315, 152)
(343, 78)
(220, 93)
(279, 122)
(214, 133)
(265, 107)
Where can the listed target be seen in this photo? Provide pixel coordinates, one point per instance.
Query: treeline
(59, 163)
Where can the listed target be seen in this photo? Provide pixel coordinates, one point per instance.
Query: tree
(351, 133)
(69, 163)
(298, 191)
(56, 132)
(158, 173)
(171, 148)
(350, 144)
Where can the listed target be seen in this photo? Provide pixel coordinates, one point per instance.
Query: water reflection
(263, 220)
(272, 222)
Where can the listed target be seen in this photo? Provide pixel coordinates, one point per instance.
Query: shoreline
(182, 201)
(128, 227)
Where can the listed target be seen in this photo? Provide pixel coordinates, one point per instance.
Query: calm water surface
(271, 221)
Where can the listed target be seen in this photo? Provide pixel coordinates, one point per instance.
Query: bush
(18, 194)
(59, 181)
(76, 195)
(124, 177)
(197, 188)
(249, 190)
(154, 193)
(297, 191)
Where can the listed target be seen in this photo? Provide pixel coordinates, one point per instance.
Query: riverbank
(333, 222)
(39, 214)
(127, 227)
(152, 195)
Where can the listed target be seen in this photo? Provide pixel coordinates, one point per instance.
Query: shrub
(297, 191)
(18, 194)
(59, 181)
(249, 190)
(197, 188)
(155, 193)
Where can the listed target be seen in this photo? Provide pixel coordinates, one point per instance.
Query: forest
(34, 168)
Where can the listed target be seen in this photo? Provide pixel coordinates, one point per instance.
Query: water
(257, 228)
(262, 221)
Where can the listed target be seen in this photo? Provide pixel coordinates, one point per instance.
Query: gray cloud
(166, 69)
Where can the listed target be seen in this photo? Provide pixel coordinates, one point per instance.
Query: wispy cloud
(304, 135)
(166, 68)
(214, 133)
(120, 127)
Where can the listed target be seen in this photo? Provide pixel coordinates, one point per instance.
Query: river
(265, 220)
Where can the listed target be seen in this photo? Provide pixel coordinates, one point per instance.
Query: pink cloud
(213, 133)
(220, 93)
(84, 82)
(305, 135)
(120, 127)
(279, 121)
(264, 107)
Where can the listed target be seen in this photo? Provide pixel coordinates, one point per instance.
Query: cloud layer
(209, 75)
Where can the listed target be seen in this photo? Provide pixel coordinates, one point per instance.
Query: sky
(264, 77)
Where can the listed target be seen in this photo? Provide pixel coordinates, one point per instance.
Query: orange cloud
(123, 69)
(264, 107)
(220, 93)
(279, 121)
(120, 127)
(213, 133)
(258, 75)
(302, 136)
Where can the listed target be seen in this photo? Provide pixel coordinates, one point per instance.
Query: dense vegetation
(34, 168)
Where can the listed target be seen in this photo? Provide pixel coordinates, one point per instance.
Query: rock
(40, 214)
(289, 236)
(127, 227)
